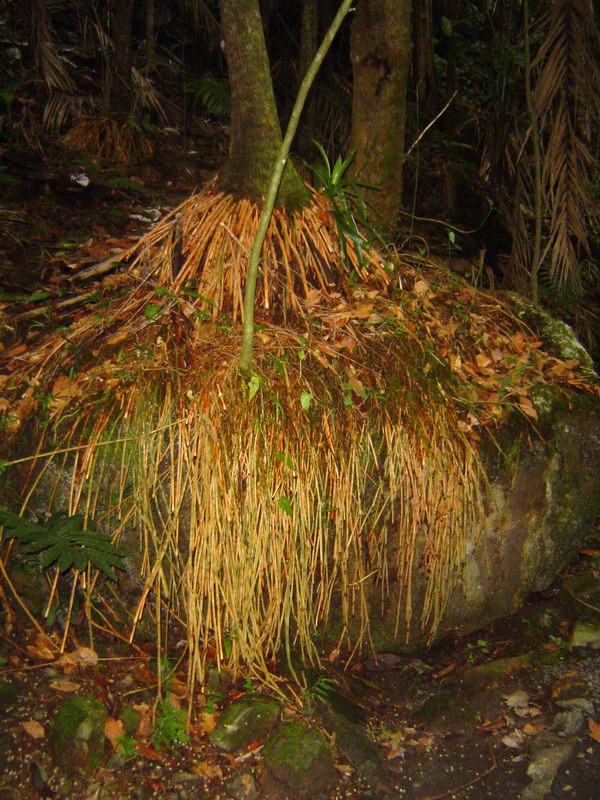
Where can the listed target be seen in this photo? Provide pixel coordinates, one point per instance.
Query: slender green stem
(282, 157)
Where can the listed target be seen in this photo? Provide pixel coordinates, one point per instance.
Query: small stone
(360, 751)
(571, 691)
(549, 754)
(568, 723)
(586, 633)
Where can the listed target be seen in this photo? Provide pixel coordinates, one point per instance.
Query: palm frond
(51, 66)
(108, 138)
(147, 96)
(61, 108)
(567, 94)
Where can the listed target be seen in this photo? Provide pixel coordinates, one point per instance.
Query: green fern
(63, 541)
(213, 93)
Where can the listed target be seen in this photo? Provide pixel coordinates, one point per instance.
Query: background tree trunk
(380, 54)
(121, 88)
(424, 77)
(150, 32)
(309, 42)
(255, 129)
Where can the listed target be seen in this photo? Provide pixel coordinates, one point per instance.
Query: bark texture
(309, 43)
(380, 53)
(424, 69)
(255, 128)
(121, 88)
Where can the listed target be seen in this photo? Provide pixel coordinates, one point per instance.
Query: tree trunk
(424, 79)
(309, 43)
(150, 32)
(255, 128)
(121, 88)
(380, 54)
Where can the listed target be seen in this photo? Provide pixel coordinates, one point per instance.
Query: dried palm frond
(147, 97)
(109, 138)
(518, 213)
(567, 95)
(50, 65)
(62, 108)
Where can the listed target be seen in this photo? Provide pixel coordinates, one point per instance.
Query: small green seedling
(480, 647)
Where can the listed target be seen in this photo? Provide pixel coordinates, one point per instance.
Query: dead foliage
(349, 462)
(108, 138)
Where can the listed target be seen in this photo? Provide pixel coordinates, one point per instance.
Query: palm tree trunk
(255, 129)
(121, 89)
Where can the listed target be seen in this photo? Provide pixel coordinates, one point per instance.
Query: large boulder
(541, 497)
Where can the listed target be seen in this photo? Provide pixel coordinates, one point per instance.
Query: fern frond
(213, 93)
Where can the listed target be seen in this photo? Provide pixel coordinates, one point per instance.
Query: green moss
(300, 758)
(245, 721)
(77, 734)
(130, 719)
(548, 401)
(558, 337)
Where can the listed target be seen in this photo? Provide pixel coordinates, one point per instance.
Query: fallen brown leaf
(594, 729)
(147, 751)
(533, 728)
(113, 730)
(34, 729)
(43, 648)
(65, 686)
(83, 655)
(207, 769)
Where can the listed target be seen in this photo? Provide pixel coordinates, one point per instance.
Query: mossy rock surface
(558, 337)
(300, 758)
(245, 721)
(77, 734)
(357, 748)
(542, 495)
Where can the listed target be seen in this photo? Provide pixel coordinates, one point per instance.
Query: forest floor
(509, 712)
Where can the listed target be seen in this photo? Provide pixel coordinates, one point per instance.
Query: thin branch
(430, 124)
